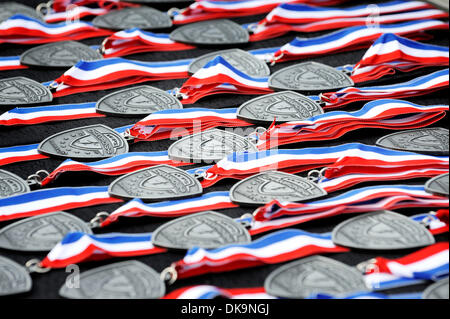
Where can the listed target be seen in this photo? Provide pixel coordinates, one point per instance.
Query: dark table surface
(47, 285)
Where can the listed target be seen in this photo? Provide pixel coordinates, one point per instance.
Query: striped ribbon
(211, 292)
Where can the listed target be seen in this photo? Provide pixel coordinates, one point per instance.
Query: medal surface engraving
(264, 187)
(40, 233)
(241, 60)
(11, 184)
(206, 230)
(381, 230)
(438, 290)
(212, 32)
(280, 106)
(85, 143)
(438, 185)
(140, 17)
(20, 90)
(124, 280)
(432, 140)
(309, 77)
(209, 146)
(313, 275)
(59, 54)
(8, 9)
(14, 279)
(140, 100)
(156, 183)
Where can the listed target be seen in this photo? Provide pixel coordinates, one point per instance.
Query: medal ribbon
(21, 29)
(211, 292)
(429, 263)
(386, 114)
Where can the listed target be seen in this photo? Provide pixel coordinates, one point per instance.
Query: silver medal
(207, 230)
(14, 279)
(309, 77)
(124, 280)
(280, 106)
(8, 9)
(312, 275)
(433, 140)
(262, 188)
(155, 184)
(145, 18)
(209, 146)
(59, 54)
(438, 185)
(382, 230)
(140, 100)
(212, 32)
(438, 290)
(241, 60)
(40, 233)
(20, 90)
(11, 184)
(85, 143)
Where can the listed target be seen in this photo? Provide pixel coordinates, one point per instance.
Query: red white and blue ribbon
(211, 292)
(385, 113)
(436, 222)
(419, 86)
(428, 264)
(11, 63)
(53, 199)
(354, 38)
(391, 52)
(20, 29)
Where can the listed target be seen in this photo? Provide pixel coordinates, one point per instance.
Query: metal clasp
(45, 5)
(101, 49)
(127, 135)
(367, 265)
(37, 178)
(176, 92)
(247, 220)
(169, 275)
(172, 12)
(98, 219)
(34, 266)
(274, 59)
(202, 173)
(316, 175)
(426, 221)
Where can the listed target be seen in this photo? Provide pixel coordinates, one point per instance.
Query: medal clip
(201, 173)
(367, 265)
(317, 175)
(172, 12)
(274, 59)
(101, 49)
(34, 266)
(97, 221)
(247, 220)
(128, 136)
(252, 27)
(37, 178)
(180, 96)
(44, 8)
(347, 69)
(428, 219)
(169, 274)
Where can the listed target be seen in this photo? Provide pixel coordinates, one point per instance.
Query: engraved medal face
(209, 146)
(155, 184)
(59, 54)
(383, 230)
(20, 90)
(14, 279)
(309, 77)
(212, 32)
(207, 230)
(241, 60)
(438, 185)
(264, 187)
(85, 143)
(438, 290)
(433, 140)
(140, 17)
(140, 100)
(11, 184)
(124, 280)
(313, 275)
(8, 9)
(280, 106)
(40, 233)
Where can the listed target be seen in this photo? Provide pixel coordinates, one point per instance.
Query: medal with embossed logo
(40, 233)
(59, 54)
(283, 106)
(14, 278)
(206, 230)
(11, 184)
(438, 290)
(145, 18)
(209, 146)
(85, 143)
(382, 230)
(20, 90)
(309, 77)
(8, 9)
(156, 183)
(438, 185)
(314, 275)
(433, 140)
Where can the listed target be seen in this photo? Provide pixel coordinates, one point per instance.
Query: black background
(47, 285)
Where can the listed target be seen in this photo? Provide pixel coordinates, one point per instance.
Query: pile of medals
(225, 188)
